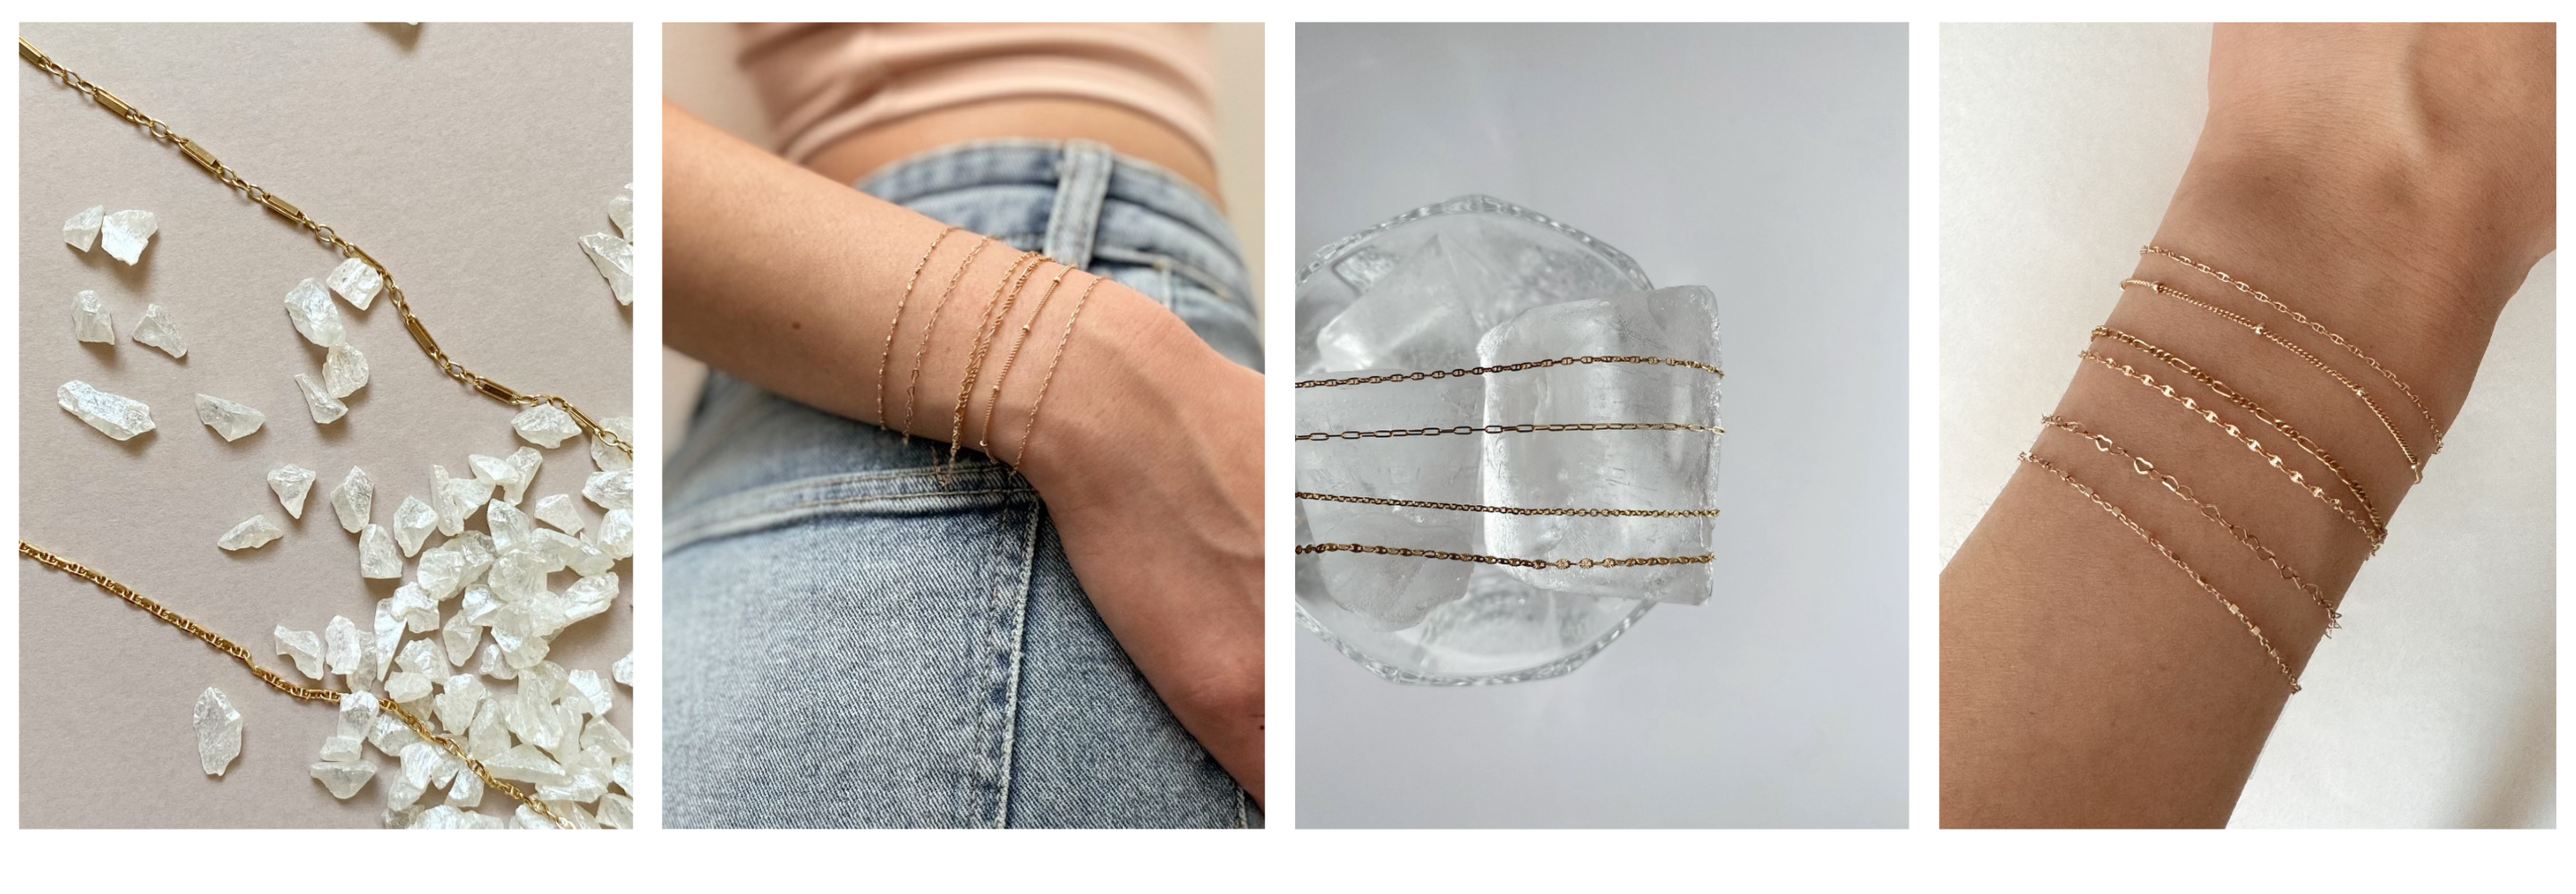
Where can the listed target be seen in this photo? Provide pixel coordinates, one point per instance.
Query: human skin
(2394, 182)
(1146, 451)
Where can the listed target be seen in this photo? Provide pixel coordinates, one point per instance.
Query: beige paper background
(467, 159)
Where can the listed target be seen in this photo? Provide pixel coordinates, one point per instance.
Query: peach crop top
(823, 81)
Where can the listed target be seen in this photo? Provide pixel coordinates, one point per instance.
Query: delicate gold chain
(329, 239)
(1514, 510)
(2412, 463)
(1513, 367)
(2196, 577)
(993, 401)
(1305, 549)
(278, 681)
(1029, 426)
(2318, 328)
(885, 358)
(977, 352)
(2140, 465)
(1506, 429)
(2368, 530)
(911, 385)
(2312, 448)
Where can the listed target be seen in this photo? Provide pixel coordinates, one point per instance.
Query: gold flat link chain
(2319, 328)
(2374, 533)
(2233, 609)
(279, 681)
(1513, 510)
(2172, 485)
(1311, 548)
(1513, 367)
(1509, 429)
(321, 233)
(2413, 464)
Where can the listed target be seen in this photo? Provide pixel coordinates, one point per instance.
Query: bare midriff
(1125, 131)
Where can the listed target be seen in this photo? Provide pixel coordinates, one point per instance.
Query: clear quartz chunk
(407, 687)
(254, 532)
(325, 408)
(81, 230)
(441, 574)
(615, 259)
(460, 635)
(616, 535)
(608, 458)
(343, 778)
(229, 419)
(511, 529)
(159, 329)
(378, 557)
(125, 233)
(525, 763)
(413, 520)
(115, 416)
(342, 647)
(356, 282)
(510, 474)
(314, 316)
(624, 670)
(621, 211)
(344, 370)
(594, 694)
(219, 730)
(292, 483)
(455, 499)
(616, 812)
(545, 425)
(91, 320)
(304, 646)
(611, 490)
(390, 624)
(419, 613)
(467, 791)
(357, 718)
(558, 510)
(354, 501)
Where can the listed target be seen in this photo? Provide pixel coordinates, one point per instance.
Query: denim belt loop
(1082, 184)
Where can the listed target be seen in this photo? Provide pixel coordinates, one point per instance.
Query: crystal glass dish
(1477, 281)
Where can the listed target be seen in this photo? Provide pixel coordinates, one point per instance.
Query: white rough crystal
(354, 500)
(616, 812)
(558, 510)
(219, 729)
(292, 483)
(377, 555)
(441, 575)
(390, 735)
(419, 613)
(616, 535)
(115, 416)
(593, 693)
(468, 792)
(511, 529)
(356, 282)
(344, 370)
(344, 778)
(602, 737)
(478, 606)
(311, 310)
(413, 520)
(475, 547)
(511, 474)
(460, 635)
(304, 646)
(91, 320)
(341, 646)
(545, 425)
(228, 419)
(390, 625)
(486, 738)
(125, 233)
(254, 532)
(81, 230)
(610, 459)
(621, 211)
(326, 409)
(422, 656)
(624, 670)
(419, 764)
(347, 742)
(611, 490)
(615, 259)
(590, 596)
(406, 687)
(530, 819)
(492, 663)
(461, 696)
(455, 499)
(525, 763)
(161, 330)
(571, 552)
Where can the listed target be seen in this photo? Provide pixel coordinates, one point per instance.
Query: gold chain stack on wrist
(1503, 429)
(2353, 504)
(989, 331)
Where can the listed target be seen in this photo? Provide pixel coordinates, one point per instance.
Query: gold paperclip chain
(329, 239)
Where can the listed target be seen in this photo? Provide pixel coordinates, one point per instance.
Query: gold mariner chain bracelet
(328, 237)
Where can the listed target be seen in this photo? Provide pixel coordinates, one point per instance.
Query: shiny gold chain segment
(1514, 510)
(885, 357)
(1029, 426)
(2413, 464)
(2313, 325)
(1508, 429)
(2172, 485)
(324, 234)
(1511, 367)
(2233, 609)
(2375, 533)
(1311, 548)
(279, 681)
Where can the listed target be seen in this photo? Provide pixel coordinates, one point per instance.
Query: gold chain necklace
(329, 238)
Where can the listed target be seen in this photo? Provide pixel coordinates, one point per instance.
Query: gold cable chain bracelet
(1509, 429)
(1311, 548)
(279, 681)
(1511, 367)
(324, 234)
(2413, 463)
(1513, 510)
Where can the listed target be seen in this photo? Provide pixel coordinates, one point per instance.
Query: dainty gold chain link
(1513, 510)
(1311, 548)
(1509, 429)
(2233, 609)
(1509, 367)
(2413, 464)
(329, 238)
(278, 681)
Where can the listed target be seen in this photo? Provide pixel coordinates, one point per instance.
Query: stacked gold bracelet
(989, 330)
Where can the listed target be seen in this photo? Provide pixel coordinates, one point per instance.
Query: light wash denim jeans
(847, 643)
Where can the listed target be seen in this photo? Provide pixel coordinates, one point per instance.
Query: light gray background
(1768, 163)
(2435, 704)
(466, 158)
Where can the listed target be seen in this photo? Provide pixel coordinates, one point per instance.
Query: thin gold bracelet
(886, 356)
(2413, 464)
(1312, 548)
(1512, 510)
(921, 350)
(1509, 367)
(993, 401)
(1029, 426)
(976, 353)
(1509, 429)
(2374, 533)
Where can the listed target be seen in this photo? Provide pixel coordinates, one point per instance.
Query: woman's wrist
(1131, 376)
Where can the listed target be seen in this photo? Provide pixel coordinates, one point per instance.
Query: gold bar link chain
(321, 233)
(1509, 429)
(1513, 510)
(2413, 464)
(1513, 367)
(278, 681)
(1311, 548)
